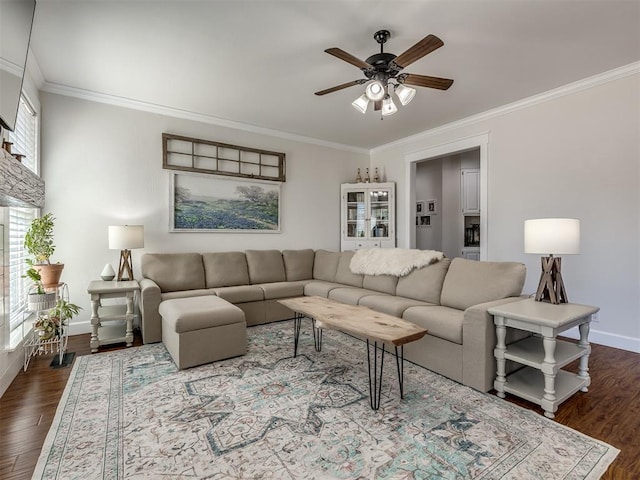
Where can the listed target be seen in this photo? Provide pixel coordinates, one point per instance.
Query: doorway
(436, 184)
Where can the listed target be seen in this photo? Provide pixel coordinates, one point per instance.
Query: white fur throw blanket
(391, 261)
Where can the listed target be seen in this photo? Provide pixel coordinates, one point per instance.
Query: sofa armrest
(478, 343)
(150, 320)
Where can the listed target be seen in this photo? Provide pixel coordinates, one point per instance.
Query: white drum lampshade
(549, 237)
(125, 238)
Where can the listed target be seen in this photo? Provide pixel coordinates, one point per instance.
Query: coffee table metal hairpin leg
(400, 365)
(317, 336)
(296, 332)
(375, 383)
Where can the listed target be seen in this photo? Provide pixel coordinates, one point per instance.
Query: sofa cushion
(424, 283)
(441, 322)
(298, 264)
(282, 289)
(265, 266)
(319, 288)
(325, 265)
(344, 275)
(381, 283)
(174, 271)
(390, 304)
(240, 293)
(197, 313)
(186, 294)
(225, 269)
(469, 282)
(350, 295)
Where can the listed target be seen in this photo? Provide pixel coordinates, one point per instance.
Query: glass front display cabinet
(368, 215)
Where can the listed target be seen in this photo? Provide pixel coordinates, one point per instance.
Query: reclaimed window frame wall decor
(205, 156)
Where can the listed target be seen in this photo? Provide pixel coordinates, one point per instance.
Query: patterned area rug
(131, 414)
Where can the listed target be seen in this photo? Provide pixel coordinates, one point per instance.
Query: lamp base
(125, 268)
(551, 287)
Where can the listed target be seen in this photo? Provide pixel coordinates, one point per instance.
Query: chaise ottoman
(199, 330)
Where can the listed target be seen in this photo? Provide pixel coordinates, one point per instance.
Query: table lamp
(552, 236)
(125, 238)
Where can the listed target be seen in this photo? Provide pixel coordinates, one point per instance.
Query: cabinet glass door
(356, 214)
(379, 206)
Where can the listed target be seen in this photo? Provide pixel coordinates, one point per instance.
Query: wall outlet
(595, 318)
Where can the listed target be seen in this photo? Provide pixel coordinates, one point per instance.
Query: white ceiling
(259, 62)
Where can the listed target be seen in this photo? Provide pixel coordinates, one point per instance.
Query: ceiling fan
(382, 68)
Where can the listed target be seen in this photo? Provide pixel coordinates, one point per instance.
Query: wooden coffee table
(361, 321)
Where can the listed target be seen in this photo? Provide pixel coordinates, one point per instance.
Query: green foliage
(39, 239)
(64, 310)
(34, 276)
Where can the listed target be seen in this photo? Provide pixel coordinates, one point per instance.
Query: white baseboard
(78, 328)
(16, 362)
(622, 342)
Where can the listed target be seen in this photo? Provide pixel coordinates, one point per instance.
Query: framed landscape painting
(209, 203)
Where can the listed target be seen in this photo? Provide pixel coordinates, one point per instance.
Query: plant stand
(34, 345)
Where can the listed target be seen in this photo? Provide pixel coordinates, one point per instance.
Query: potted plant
(52, 324)
(39, 243)
(39, 299)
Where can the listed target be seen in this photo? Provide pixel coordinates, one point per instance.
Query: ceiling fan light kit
(361, 103)
(388, 107)
(404, 94)
(374, 91)
(383, 70)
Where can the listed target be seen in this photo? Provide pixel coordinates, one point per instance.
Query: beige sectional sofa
(450, 298)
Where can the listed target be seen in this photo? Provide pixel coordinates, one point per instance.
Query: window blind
(19, 222)
(25, 134)
(25, 142)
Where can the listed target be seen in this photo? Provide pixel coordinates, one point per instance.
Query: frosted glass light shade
(361, 103)
(405, 94)
(388, 107)
(374, 91)
(126, 237)
(556, 236)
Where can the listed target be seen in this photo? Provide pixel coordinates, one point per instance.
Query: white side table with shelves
(541, 380)
(117, 319)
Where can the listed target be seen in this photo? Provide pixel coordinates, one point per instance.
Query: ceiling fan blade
(340, 87)
(347, 57)
(377, 106)
(426, 81)
(425, 46)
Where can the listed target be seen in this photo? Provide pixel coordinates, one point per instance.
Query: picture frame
(420, 208)
(215, 204)
(425, 221)
(432, 207)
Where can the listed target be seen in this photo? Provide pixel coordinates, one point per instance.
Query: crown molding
(189, 115)
(571, 88)
(34, 70)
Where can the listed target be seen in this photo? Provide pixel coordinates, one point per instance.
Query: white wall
(569, 155)
(103, 166)
(429, 187)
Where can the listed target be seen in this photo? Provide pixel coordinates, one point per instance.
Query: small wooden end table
(361, 321)
(547, 354)
(123, 315)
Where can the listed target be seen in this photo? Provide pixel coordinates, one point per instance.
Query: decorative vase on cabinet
(367, 216)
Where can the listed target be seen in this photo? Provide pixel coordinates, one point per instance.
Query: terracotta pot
(50, 274)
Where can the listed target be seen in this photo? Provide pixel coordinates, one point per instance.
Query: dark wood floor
(610, 411)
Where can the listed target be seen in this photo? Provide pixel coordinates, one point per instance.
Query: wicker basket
(41, 301)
